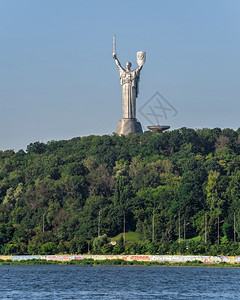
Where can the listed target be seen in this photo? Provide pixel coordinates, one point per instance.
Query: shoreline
(123, 260)
(113, 263)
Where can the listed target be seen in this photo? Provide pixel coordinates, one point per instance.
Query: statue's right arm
(117, 62)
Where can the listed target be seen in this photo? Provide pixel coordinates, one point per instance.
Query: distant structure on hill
(158, 128)
(129, 80)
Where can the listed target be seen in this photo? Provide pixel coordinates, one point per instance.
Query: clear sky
(58, 79)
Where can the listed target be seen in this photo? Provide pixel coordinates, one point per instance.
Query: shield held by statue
(141, 58)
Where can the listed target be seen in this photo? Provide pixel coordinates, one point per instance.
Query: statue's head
(128, 66)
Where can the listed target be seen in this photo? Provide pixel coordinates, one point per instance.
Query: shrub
(49, 248)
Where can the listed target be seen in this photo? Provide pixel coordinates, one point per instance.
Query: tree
(49, 248)
(37, 148)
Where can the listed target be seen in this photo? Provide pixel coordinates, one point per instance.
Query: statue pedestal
(126, 126)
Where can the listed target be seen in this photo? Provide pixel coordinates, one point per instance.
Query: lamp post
(234, 227)
(99, 221)
(205, 227)
(153, 229)
(179, 226)
(218, 237)
(184, 229)
(124, 228)
(153, 224)
(88, 242)
(43, 222)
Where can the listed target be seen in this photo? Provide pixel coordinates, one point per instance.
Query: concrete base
(126, 126)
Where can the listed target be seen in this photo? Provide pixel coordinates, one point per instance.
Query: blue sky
(58, 79)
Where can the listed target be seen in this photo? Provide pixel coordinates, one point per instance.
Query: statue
(129, 79)
(130, 88)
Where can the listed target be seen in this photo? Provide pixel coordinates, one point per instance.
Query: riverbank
(146, 260)
(117, 262)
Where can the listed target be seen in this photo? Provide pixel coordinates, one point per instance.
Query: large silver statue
(129, 79)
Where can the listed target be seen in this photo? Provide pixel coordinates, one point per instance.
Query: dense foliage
(179, 191)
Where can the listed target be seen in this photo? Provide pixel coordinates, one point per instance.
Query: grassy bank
(115, 262)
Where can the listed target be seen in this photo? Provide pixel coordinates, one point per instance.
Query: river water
(80, 282)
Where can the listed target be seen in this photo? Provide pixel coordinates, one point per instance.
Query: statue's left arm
(138, 70)
(137, 79)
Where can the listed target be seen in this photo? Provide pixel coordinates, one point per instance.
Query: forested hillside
(179, 191)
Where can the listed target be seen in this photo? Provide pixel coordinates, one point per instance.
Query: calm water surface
(79, 282)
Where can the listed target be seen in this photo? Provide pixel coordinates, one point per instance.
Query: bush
(107, 249)
(32, 249)
(163, 248)
(63, 247)
(192, 247)
(98, 242)
(118, 249)
(11, 249)
(152, 248)
(49, 248)
(174, 248)
(130, 249)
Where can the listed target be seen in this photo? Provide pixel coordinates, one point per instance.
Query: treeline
(178, 191)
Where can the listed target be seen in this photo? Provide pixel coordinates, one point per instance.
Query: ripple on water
(79, 282)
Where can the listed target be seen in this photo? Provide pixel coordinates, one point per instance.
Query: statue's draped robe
(130, 82)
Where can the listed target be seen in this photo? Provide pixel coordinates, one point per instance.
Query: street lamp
(219, 229)
(179, 226)
(99, 221)
(43, 222)
(205, 227)
(153, 224)
(184, 229)
(124, 228)
(234, 227)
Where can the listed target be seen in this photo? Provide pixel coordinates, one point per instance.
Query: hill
(182, 185)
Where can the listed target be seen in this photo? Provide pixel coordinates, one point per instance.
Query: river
(80, 282)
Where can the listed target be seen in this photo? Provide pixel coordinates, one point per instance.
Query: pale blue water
(79, 282)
